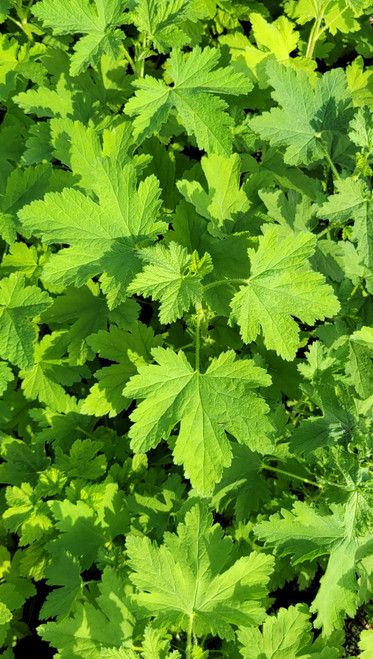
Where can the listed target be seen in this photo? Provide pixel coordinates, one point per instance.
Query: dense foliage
(186, 342)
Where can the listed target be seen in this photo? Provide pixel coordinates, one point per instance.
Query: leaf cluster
(186, 342)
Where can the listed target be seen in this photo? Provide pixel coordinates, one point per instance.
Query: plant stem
(220, 282)
(143, 60)
(199, 312)
(287, 473)
(187, 345)
(327, 229)
(317, 30)
(86, 433)
(128, 58)
(314, 34)
(188, 653)
(331, 165)
(327, 26)
(22, 26)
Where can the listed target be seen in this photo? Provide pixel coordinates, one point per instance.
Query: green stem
(327, 229)
(188, 653)
(128, 58)
(220, 282)
(327, 26)
(187, 345)
(331, 165)
(199, 312)
(314, 35)
(21, 26)
(287, 473)
(142, 70)
(86, 433)
(317, 30)
(355, 288)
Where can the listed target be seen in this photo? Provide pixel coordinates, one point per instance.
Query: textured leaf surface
(307, 119)
(206, 405)
(288, 634)
(185, 577)
(102, 237)
(224, 199)
(196, 80)
(281, 285)
(171, 276)
(90, 629)
(353, 201)
(93, 21)
(306, 534)
(18, 305)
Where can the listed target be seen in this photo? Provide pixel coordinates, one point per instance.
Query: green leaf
(90, 630)
(277, 37)
(155, 646)
(281, 285)
(4, 9)
(361, 132)
(103, 238)
(27, 514)
(6, 376)
(183, 579)
(82, 460)
(83, 312)
(196, 81)
(161, 20)
(81, 535)
(21, 462)
(95, 22)
(288, 634)
(64, 572)
(206, 405)
(129, 349)
(306, 534)
(366, 643)
(225, 200)
(242, 484)
(51, 372)
(84, 528)
(24, 259)
(337, 596)
(309, 119)
(19, 304)
(23, 186)
(353, 200)
(359, 367)
(47, 102)
(172, 276)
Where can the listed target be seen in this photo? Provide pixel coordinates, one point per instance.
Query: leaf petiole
(287, 473)
(128, 58)
(199, 315)
(188, 653)
(220, 282)
(332, 165)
